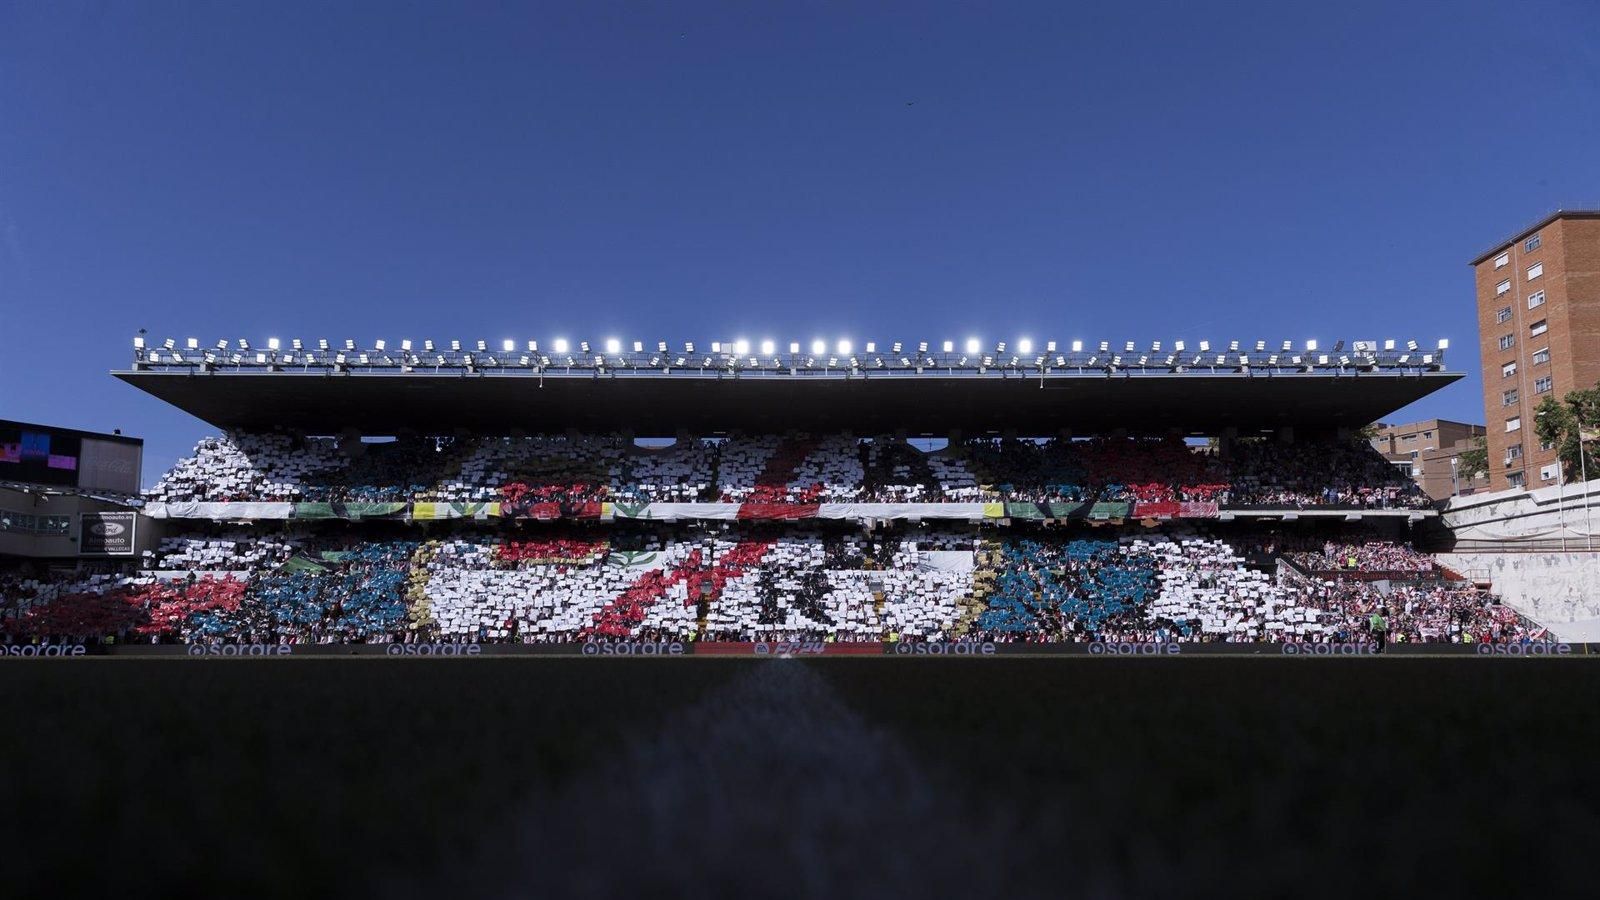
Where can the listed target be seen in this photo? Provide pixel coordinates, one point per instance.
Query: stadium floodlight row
(740, 355)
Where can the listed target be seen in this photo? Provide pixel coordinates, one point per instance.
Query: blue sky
(704, 171)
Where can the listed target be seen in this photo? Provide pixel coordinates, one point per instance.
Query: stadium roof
(653, 403)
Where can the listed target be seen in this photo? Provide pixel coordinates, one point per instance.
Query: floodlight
(1061, 360)
(1311, 344)
(405, 346)
(613, 345)
(1261, 346)
(1205, 346)
(1050, 347)
(818, 348)
(844, 348)
(380, 345)
(716, 346)
(261, 357)
(583, 347)
(922, 347)
(1444, 343)
(1233, 346)
(1128, 348)
(507, 346)
(972, 345)
(1288, 346)
(533, 346)
(741, 347)
(1388, 344)
(169, 344)
(1178, 346)
(194, 343)
(1411, 345)
(638, 346)
(1322, 360)
(1024, 346)
(138, 343)
(1000, 347)
(362, 359)
(1344, 360)
(296, 345)
(688, 348)
(561, 345)
(1105, 346)
(351, 345)
(1077, 346)
(768, 348)
(895, 348)
(427, 346)
(661, 346)
(794, 347)
(244, 344)
(455, 346)
(1155, 346)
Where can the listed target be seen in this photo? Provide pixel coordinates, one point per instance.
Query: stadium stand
(339, 583)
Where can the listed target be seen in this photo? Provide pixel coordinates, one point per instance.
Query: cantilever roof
(707, 403)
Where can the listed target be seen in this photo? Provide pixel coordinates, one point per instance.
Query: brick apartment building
(1429, 452)
(1539, 332)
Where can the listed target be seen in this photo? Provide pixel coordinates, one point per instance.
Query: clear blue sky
(874, 171)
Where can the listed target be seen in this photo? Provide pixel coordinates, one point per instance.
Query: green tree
(1564, 422)
(1474, 460)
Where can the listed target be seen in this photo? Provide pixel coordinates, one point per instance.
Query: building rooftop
(1586, 213)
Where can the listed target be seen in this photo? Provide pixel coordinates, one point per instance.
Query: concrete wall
(1552, 518)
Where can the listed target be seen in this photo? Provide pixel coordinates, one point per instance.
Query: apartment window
(1502, 287)
(1516, 479)
(1535, 299)
(1508, 398)
(1408, 439)
(1426, 435)
(1541, 356)
(1507, 341)
(1514, 423)
(1538, 328)
(1532, 244)
(1546, 446)
(1503, 316)
(1543, 385)
(1535, 270)
(1547, 473)
(1513, 452)
(1502, 260)
(1508, 370)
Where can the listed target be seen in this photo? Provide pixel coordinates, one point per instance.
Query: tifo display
(522, 474)
(439, 539)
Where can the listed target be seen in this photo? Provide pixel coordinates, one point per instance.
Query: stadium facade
(1108, 492)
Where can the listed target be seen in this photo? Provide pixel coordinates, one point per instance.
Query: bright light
(272, 343)
(613, 346)
(972, 345)
(1311, 345)
(1444, 343)
(844, 347)
(1077, 346)
(561, 345)
(194, 343)
(818, 348)
(949, 346)
(1025, 346)
(741, 348)
(794, 347)
(508, 346)
(768, 348)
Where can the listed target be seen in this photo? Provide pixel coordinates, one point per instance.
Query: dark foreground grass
(859, 777)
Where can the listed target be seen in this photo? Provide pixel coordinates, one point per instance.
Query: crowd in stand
(744, 583)
(838, 468)
(1375, 557)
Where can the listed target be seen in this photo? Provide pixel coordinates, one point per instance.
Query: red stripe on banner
(1165, 509)
(779, 510)
(1198, 510)
(623, 615)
